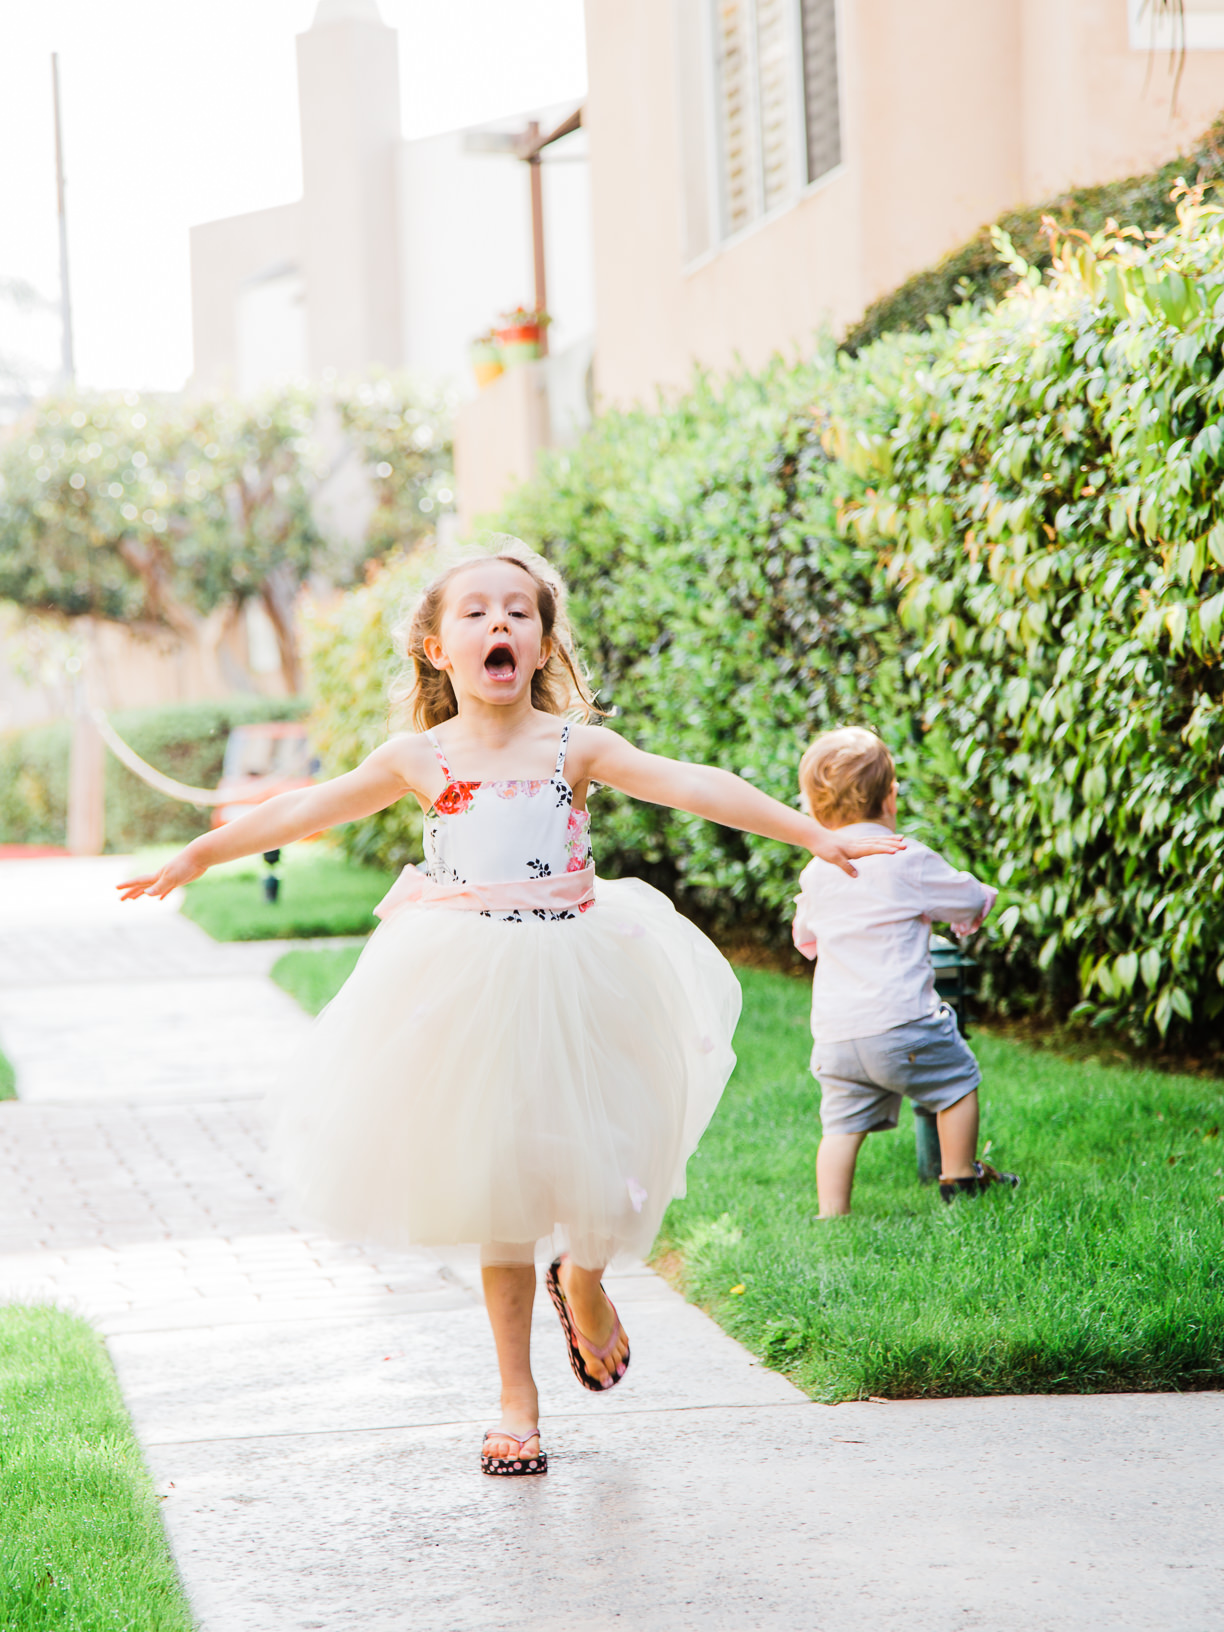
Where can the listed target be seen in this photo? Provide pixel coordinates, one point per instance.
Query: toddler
(878, 1029)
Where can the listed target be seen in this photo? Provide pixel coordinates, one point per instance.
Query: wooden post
(86, 781)
(950, 965)
(537, 230)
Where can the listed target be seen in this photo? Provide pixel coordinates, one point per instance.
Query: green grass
(321, 893)
(1104, 1271)
(8, 1077)
(81, 1542)
(315, 974)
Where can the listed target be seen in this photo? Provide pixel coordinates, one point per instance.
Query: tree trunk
(278, 592)
(86, 768)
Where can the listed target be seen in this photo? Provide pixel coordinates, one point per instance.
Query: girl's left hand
(828, 844)
(177, 871)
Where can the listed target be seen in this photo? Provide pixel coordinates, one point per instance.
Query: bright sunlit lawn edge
(1104, 1272)
(313, 975)
(8, 1077)
(82, 1542)
(322, 893)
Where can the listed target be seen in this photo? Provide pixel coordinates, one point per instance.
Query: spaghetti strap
(433, 743)
(559, 767)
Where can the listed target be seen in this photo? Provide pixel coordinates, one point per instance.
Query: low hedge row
(185, 741)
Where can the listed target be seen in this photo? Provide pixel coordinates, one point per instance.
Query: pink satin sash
(565, 892)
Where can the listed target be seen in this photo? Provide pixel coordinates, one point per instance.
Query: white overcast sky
(179, 111)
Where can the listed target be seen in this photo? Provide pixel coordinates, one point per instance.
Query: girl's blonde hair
(424, 697)
(846, 776)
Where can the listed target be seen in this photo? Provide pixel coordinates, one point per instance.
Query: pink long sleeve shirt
(871, 935)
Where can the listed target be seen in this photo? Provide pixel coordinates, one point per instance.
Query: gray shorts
(862, 1081)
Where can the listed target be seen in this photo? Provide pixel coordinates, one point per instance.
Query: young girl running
(522, 1052)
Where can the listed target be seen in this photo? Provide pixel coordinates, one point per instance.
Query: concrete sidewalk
(311, 1411)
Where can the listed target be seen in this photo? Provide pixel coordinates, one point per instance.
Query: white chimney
(348, 88)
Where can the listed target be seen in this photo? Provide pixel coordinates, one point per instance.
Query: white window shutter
(778, 82)
(735, 114)
(776, 108)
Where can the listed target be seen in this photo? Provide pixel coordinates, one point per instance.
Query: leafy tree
(159, 511)
(351, 660)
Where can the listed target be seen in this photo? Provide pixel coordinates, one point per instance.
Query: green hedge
(185, 741)
(1000, 544)
(34, 785)
(724, 616)
(350, 662)
(974, 272)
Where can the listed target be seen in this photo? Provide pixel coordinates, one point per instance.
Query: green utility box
(952, 982)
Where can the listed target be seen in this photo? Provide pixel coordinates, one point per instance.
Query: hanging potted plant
(486, 356)
(518, 335)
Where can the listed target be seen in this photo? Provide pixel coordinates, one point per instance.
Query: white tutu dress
(522, 1052)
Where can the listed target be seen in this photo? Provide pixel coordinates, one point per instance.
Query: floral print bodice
(495, 832)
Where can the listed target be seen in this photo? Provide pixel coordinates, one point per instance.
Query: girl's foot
(595, 1319)
(506, 1441)
(525, 1457)
(519, 1425)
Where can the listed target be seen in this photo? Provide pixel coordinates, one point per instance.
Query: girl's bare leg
(593, 1316)
(835, 1159)
(509, 1291)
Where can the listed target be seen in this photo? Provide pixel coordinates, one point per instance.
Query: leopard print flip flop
(568, 1325)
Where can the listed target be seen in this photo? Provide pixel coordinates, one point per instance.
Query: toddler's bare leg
(509, 1291)
(835, 1161)
(958, 1137)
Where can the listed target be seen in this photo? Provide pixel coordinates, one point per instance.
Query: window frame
(723, 240)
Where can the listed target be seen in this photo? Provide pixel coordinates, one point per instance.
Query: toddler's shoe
(983, 1177)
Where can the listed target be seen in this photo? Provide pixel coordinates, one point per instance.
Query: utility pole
(67, 363)
(87, 756)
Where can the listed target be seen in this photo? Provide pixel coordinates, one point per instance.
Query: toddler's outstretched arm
(378, 782)
(719, 796)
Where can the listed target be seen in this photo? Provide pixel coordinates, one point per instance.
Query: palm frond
(1172, 12)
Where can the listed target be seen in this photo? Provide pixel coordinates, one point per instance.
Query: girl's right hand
(179, 870)
(829, 845)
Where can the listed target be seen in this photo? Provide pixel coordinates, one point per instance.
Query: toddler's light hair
(846, 776)
(424, 696)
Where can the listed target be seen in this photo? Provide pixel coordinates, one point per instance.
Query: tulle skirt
(478, 1080)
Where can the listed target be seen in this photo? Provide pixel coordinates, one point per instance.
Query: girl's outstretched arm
(719, 796)
(387, 775)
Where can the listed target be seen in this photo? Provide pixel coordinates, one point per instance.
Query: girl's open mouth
(500, 663)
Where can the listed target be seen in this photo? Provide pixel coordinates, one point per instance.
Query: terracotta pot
(519, 344)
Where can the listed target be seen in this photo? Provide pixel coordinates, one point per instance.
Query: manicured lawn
(1104, 1271)
(8, 1077)
(321, 893)
(81, 1542)
(315, 974)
